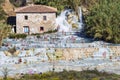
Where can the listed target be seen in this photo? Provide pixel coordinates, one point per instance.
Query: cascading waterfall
(65, 24)
(62, 24)
(80, 18)
(65, 21)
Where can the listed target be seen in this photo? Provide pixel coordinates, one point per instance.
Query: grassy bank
(70, 75)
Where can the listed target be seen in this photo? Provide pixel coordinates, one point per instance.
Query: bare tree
(5, 73)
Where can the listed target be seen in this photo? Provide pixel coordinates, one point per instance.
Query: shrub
(4, 31)
(12, 50)
(2, 12)
(95, 79)
(34, 34)
(18, 3)
(11, 36)
(70, 75)
(50, 31)
(18, 36)
(47, 32)
(103, 21)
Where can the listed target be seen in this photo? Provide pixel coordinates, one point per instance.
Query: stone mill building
(35, 19)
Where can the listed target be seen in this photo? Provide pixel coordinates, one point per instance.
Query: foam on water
(62, 23)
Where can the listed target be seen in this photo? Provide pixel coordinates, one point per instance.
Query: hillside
(8, 8)
(2, 13)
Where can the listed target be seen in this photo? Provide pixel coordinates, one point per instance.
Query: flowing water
(63, 23)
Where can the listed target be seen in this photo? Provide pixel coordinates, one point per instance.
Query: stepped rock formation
(80, 53)
(112, 52)
(115, 50)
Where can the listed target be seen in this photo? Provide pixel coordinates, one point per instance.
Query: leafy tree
(59, 4)
(4, 31)
(74, 4)
(2, 13)
(18, 3)
(103, 21)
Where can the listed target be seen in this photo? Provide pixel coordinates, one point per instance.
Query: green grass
(71, 75)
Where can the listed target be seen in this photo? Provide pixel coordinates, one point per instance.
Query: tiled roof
(35, 9)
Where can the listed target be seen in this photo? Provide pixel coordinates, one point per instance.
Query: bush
(18, 36)
(103, 21)
(11, 36)
(50, 31)
(95, 79)
(71, 75)
(47, 32)
(12, 50)
(18, 3)
(2, 12)
(35, 34)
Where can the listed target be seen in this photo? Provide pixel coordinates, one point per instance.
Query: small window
(26, 17)
(26, 29)
(41, 28)
(44, 18)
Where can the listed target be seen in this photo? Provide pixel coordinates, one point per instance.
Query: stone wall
(80, 53)
(35, 21)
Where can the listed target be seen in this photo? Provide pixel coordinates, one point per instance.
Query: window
(26, 17)
(41, 28)
(44, 18)
(26, 29)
